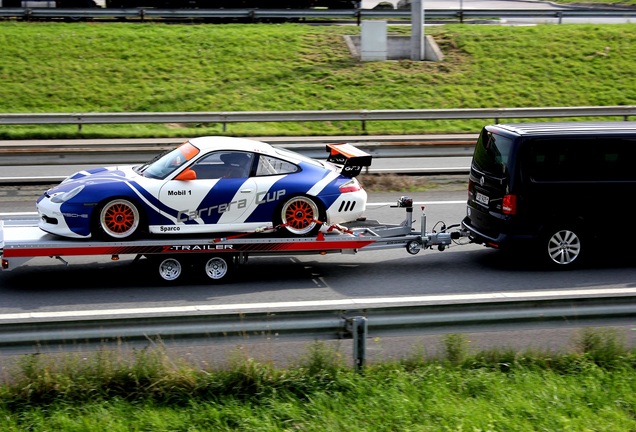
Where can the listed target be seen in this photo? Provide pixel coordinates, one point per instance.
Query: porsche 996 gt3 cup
(209, 184)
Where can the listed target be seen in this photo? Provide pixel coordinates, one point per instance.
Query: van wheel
(563, 247)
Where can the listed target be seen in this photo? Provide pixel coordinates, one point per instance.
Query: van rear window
(492, 153)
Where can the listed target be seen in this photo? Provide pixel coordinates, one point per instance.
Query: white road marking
(14, 214)
(299, 305)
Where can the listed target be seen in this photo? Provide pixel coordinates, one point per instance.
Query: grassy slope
(153, 67)
(88, 67)
(592, 390)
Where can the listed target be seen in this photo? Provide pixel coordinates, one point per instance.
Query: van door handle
(247, 190)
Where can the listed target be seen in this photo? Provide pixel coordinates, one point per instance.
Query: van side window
(617, 159)
(564, 160)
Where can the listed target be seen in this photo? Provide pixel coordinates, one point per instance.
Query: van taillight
(509, 205)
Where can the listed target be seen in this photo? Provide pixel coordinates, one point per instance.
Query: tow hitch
(415, 242)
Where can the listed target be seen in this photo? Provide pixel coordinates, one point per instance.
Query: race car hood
(114, 173)
(94, 176)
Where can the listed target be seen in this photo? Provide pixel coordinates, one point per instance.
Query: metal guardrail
(114, 151)
(127, 151)
(37, 332)
(310, 14)
(316, 116)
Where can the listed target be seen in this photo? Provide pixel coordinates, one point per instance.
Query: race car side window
(224, 164)
(268, 165)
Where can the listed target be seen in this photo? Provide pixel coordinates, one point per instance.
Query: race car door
(220, 191)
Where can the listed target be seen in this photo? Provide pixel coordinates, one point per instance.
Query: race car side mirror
(186, 174)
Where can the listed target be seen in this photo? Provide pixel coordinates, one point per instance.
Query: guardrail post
(359, 332)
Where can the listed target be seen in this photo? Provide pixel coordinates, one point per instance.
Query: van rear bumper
(479, 237)
(500, 241)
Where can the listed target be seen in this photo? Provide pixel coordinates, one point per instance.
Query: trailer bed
(22, 240)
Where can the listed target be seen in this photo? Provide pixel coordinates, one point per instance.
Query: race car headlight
(65, 196)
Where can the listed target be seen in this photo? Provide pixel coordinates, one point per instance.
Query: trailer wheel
(563, 247)
(218, 268)
(119, 219)
(413, 247)
(170, 269)
(300, 214)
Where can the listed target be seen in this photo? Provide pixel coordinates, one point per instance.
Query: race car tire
(119, 219)
(300, 215)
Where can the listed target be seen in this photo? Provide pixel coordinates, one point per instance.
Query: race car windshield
(166, 163)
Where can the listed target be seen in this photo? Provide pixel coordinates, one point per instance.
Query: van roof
(566, 128)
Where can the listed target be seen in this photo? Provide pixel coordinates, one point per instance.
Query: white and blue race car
(209, 185)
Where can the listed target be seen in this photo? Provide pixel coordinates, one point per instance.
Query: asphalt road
(97, 284)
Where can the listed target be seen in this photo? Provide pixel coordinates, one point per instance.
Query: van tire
(562, 247)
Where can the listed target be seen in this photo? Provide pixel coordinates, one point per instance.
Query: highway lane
(46, 285)
(426, 165)
(90, 286)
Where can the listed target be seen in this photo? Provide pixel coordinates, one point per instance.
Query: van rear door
(489, 199)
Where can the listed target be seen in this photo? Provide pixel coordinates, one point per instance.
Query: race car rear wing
(350, 158)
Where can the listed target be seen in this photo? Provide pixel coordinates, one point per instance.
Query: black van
(553, 187)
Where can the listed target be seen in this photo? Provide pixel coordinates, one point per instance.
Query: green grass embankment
(592, 389)
(146, 67)
(84, 67)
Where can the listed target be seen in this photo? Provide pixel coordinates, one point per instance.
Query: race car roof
(208, 143)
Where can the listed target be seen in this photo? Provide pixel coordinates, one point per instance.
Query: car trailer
(219, 257)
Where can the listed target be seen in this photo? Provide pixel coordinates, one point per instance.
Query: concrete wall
(399, 48)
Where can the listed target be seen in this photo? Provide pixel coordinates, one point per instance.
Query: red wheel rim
(299, 214)
(119, 218)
